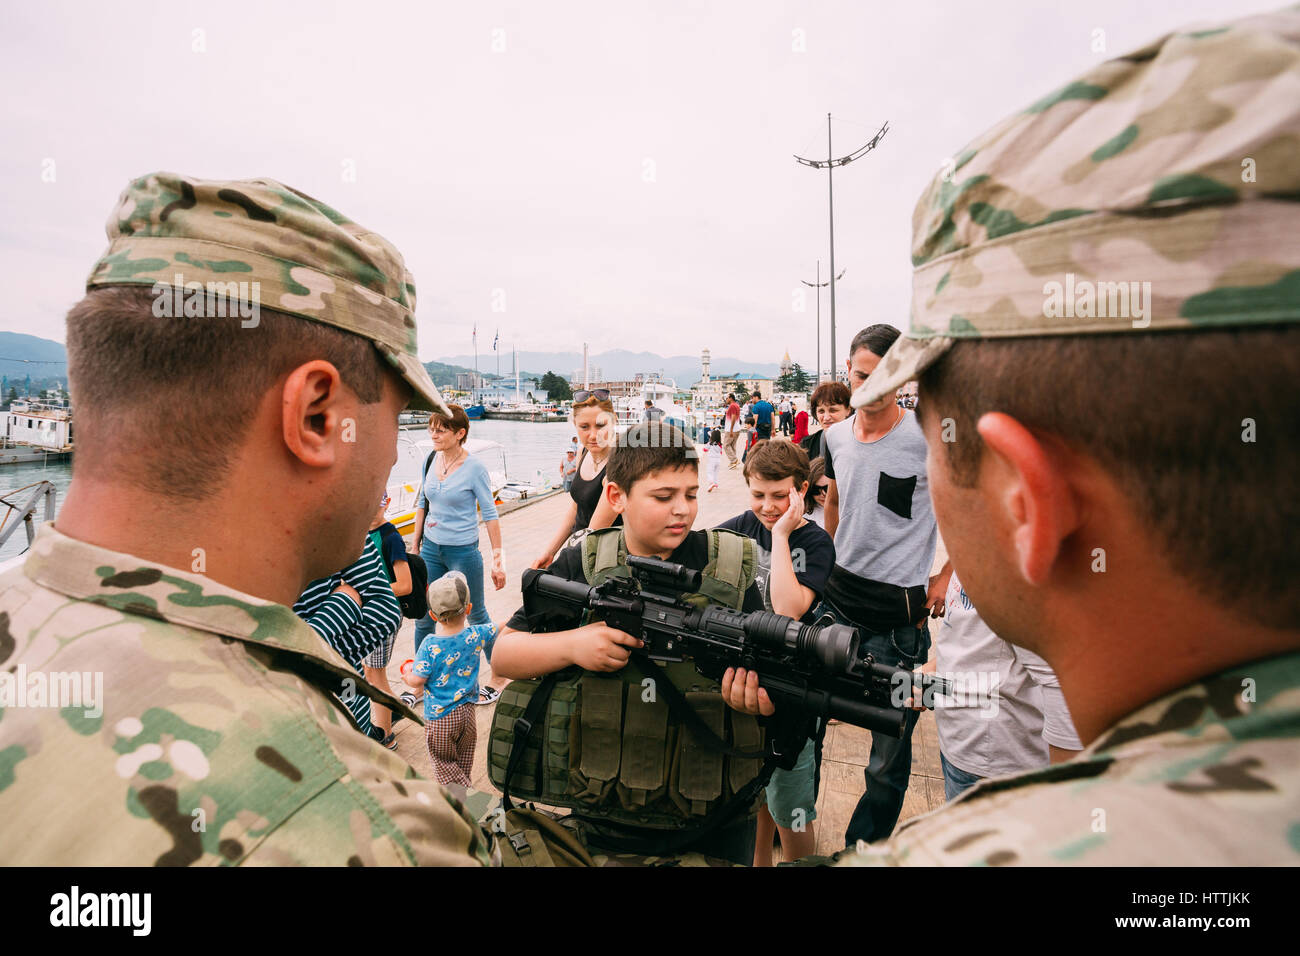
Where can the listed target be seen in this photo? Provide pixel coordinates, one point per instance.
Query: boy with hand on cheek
(638, 772)
(795, 559)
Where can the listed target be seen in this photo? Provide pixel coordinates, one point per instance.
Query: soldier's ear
(1029, 493)
(312, 413)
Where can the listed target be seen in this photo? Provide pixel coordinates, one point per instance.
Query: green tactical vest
(608, 746)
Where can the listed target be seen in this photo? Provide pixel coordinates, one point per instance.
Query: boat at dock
(36, 431)
(526, 412)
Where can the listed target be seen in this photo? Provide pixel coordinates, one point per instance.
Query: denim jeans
(465, 558)
(890, 765)
(955, 780)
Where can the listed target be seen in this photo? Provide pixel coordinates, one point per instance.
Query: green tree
(795, 380)
(557, 389)
(13, 395)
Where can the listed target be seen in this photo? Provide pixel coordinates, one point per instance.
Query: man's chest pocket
(896, 494)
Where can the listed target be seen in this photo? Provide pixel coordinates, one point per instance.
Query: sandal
(389, 742)
(487, 695)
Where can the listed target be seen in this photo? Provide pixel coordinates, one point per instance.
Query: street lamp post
(829, 165)
(819, 285)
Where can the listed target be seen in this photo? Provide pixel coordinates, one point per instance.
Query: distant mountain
(444, 374)
(617, 364)
(23, 355)
(45, 360)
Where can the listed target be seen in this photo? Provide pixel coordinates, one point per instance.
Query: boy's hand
(350, 591)
(786, 524)
(741, 692)
(599, 647)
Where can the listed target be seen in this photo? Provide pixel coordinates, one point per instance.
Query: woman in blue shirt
(456, 487)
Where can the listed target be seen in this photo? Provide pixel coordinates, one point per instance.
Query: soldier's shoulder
(188, 746)
(1197, 794)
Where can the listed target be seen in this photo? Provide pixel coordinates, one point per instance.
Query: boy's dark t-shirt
(818, 556)
(394, 548)
(693, 552)
(733, 841)
(762, 410)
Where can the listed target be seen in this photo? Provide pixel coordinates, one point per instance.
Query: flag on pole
(475, 336)
(494, 340)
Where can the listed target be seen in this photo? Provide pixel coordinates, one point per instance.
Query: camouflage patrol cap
(1158, 192)
(306, 259)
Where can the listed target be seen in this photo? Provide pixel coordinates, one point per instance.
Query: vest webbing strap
(730, 562)
(606, 552)
(738, 803)
(678, 704)
(523, 730)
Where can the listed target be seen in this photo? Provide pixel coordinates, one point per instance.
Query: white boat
(404, 480)
(660, 393)
(35, 431)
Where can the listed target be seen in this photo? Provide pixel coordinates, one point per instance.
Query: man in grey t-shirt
(879, 513)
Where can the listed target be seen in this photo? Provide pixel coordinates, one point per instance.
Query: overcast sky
(622, 171)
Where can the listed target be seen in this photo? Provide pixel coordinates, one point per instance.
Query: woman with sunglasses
(594, 420)
(814, 505)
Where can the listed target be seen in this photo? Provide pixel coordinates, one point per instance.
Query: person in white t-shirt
(786, 411)
(713, 457)
(1006, 714)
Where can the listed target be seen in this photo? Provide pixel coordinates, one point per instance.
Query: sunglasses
(599, 394)
(820, 489)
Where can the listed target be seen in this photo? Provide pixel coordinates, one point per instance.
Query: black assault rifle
(817, 670)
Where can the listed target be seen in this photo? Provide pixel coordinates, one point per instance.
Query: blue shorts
(790, 797)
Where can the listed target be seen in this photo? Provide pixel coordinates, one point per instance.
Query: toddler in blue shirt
(446, 666)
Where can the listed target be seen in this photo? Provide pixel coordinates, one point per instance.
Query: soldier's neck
(247, 547)
(1121, 641)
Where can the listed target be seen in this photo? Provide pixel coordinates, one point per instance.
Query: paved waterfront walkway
(845, 750)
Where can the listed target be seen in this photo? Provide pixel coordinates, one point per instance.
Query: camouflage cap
(1160, 191)
(294, 253)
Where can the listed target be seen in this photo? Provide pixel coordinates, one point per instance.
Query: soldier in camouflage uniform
(217, 739)
(1103, 326)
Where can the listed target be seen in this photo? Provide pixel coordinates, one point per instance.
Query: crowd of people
(1110, 487)
(869, 568)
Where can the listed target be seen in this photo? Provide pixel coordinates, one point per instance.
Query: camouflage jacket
(1208, 775)
(152, 716)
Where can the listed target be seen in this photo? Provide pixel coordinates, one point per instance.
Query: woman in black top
(594, 421)
(830, 404)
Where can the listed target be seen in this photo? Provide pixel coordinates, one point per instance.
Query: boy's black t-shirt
(693, 552)
(394, 548)
(817, 560)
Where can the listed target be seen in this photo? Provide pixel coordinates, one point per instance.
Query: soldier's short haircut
(1199, 427)
(177, 395)
(877, 338)
(775, 460)
(646, 448)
